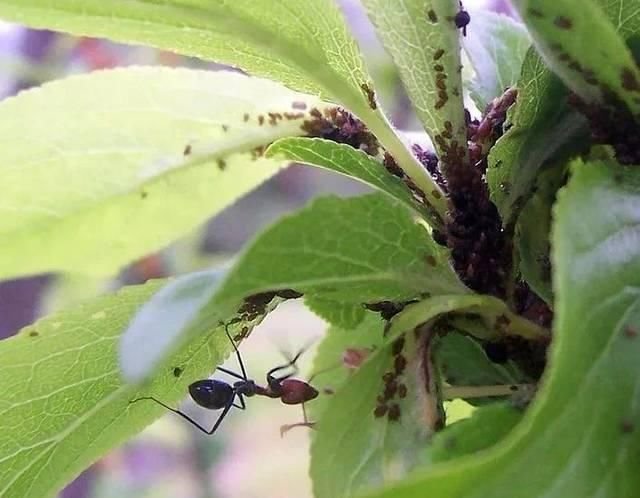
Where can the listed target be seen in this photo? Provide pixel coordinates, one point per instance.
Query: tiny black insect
(462, 20)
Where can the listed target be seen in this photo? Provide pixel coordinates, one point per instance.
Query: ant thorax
(247, 388)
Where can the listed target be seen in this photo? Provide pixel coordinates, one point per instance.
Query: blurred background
(247, 457)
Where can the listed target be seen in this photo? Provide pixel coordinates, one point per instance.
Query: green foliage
(62, 399)
(80, 182)
(596, 341)
(483, 429)
(381, 254)
(560, 27)
(303, 44)
(463, 362)
(91, 184)
(344, 315)
(496, 46)
(423, 41)
(542, 124)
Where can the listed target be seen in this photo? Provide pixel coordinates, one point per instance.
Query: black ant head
(211, 394)
(295, 392)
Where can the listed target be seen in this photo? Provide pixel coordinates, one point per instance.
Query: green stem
(466, 392)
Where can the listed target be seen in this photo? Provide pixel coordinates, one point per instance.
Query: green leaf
(355, 250)
(422, 39)
(542, 126)
(351, 162)
(62, 400)
(463, 362)
(344, 315)
(329, 368)
(562, 30)
(586, 411)
(486, 426)
(304, 44)
(534, 230)
(158, 324)
(375, 449)
(496, 46)
(81, 175)
(624, 15)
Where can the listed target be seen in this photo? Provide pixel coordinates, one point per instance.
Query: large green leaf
(496, 46)
(355, 250)
(580, 437)
(303, 43)
(147, 151)
(422, 39)
(562, 31)
(62, 400)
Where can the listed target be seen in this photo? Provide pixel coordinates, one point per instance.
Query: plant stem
(456, 392)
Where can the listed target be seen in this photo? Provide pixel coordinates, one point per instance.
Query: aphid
(352, 358)
(394, 412)
(187, 150)
(215, 394)
(177, 371)
(370, 94)
(397, 346)
(400, 363)
(380, 411)
(462, 20)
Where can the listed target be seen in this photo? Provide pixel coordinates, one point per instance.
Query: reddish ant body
(215, 394)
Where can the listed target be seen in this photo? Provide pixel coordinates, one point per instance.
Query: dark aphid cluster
(387, 309)
(612, 124)
(392, 167)
(340, 126)
(393, 385)
(484, 133)
(440, 80)
(214, 394)
(430, 161)
(255, 306)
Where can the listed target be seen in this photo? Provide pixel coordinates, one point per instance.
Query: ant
(215, 394)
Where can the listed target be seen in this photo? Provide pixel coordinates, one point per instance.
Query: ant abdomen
(212, 394)
(295, 392)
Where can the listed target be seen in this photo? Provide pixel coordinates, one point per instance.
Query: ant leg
(241, 406)
(187, 417)
(244, 372)
(229, 372)
(292, 364)
(286, 428)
